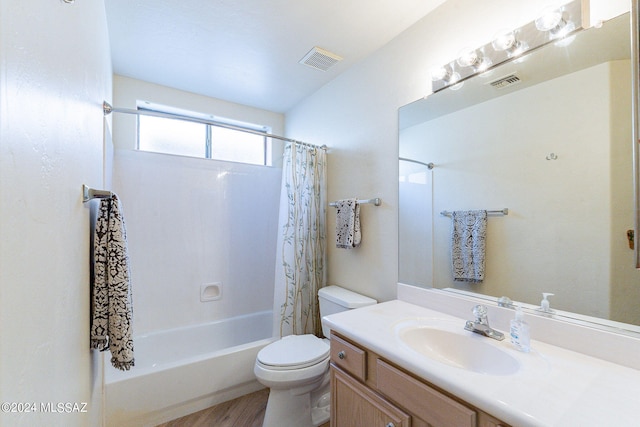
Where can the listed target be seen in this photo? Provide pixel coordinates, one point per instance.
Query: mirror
(551, 141)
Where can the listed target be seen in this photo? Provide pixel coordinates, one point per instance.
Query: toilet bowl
(296, 368)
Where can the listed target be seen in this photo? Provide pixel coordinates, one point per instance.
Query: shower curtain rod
(108, 109)
(429, 165)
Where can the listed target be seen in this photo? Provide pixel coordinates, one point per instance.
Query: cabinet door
(354, 405)
(486, 420)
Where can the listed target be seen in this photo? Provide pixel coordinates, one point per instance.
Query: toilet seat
(294, 352)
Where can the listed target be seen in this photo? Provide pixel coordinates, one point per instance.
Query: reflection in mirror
(550, 140)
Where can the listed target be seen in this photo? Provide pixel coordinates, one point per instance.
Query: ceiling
(247, 51)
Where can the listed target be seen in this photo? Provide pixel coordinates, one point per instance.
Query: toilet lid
(294, 351)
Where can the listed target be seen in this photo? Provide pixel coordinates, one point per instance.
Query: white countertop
(553, 387)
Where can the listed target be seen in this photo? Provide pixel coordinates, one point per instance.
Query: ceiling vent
(320, 59)
(502, 82)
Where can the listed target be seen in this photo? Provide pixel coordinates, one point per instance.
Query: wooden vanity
(369, 391)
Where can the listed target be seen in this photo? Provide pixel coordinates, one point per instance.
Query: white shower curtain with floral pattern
(300, 259)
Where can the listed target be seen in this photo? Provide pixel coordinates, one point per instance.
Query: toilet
(296, 368)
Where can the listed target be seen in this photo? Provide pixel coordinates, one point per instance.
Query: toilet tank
(334, 299)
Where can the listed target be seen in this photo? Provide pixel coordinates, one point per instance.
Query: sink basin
(460, 350)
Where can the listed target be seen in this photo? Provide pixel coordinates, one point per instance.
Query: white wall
(55, 71)
(356, 116)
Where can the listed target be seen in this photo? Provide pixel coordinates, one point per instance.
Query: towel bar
(375, 201)
(89, 193)
(504, 211)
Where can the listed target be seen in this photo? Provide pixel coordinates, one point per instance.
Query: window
(212, 141)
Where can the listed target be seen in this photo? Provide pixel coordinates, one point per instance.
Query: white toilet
(296, 368)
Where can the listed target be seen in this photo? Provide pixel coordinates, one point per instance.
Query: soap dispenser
(544, 304)
(519, 331)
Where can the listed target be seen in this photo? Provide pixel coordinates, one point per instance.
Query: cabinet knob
(342, 355)
(390, 425)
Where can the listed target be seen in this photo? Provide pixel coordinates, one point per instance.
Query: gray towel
(468, 242)
(348, 234)
(112, 311)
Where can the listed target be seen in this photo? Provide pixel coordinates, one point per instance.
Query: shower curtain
(300, 258)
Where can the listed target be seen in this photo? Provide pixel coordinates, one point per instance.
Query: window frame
(172, 113)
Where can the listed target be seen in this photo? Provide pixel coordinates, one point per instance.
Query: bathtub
(184, 370)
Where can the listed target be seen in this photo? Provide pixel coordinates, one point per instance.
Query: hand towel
(468, 242)
(348, 234)
(112, 311)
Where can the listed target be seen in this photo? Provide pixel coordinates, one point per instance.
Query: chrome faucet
(481, 324)
(505, 302)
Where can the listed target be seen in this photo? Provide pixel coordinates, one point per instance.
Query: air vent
(320, 59)
(502, 82)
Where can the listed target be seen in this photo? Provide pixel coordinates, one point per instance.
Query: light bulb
(469, 58)
(549, 20)
(483, 65)
(507, 42)
(440, 73)
(504, 41)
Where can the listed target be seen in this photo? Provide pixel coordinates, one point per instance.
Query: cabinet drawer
(421, 400)
(349, 357)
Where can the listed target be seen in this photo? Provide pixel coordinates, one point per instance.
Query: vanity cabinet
(368, 391)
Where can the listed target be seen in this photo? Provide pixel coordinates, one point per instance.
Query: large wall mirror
(554, 146)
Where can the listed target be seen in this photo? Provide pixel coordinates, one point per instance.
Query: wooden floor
(245, 411)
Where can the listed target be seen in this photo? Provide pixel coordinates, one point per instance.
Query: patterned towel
(112, 311)
(348, 233)
(468, 241)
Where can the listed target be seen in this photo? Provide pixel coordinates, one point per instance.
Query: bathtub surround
(300, 263)
(112, 308)
(193, 222)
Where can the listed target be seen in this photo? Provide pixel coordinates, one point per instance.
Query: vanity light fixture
(552, 25)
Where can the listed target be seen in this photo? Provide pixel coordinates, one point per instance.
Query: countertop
(553, 386)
